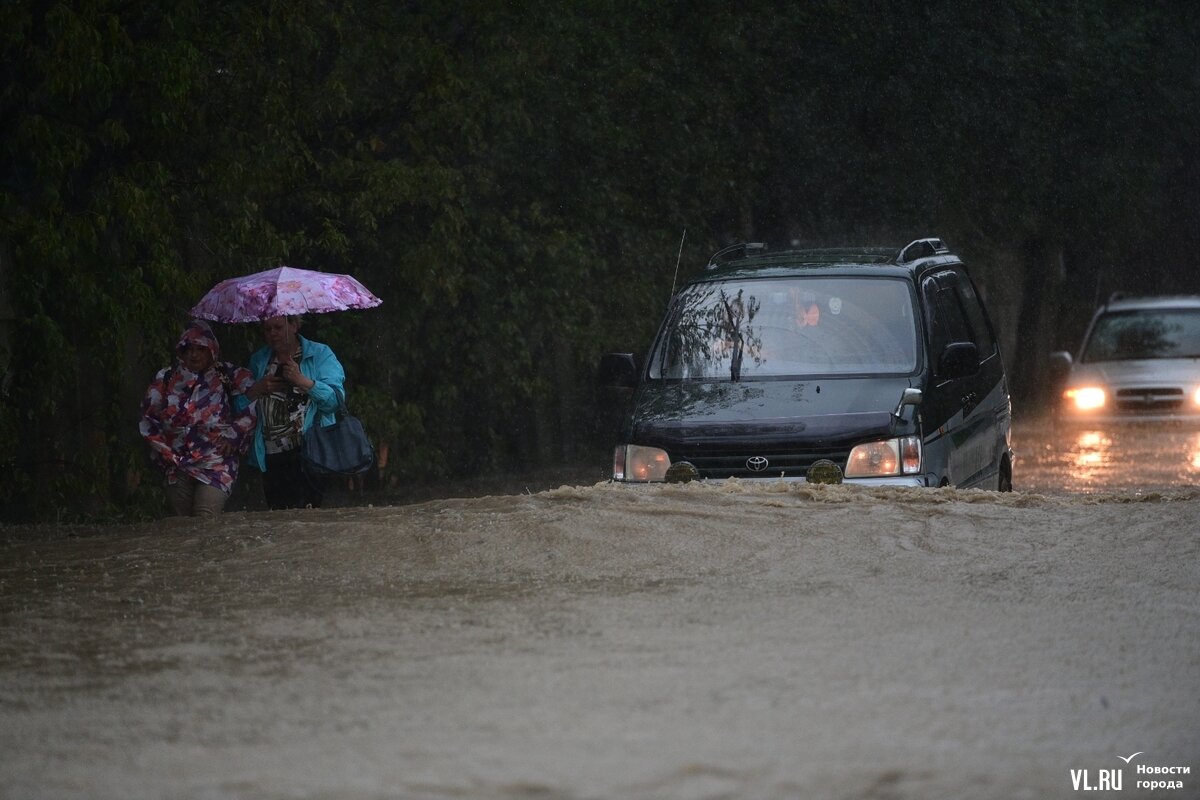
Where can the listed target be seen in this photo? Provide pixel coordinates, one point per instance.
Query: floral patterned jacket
(192, 422)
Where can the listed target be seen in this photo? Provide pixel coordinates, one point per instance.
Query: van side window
(947, 323)
(956, 313)
(976, 317)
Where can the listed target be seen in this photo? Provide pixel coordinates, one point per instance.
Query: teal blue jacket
(317, 362)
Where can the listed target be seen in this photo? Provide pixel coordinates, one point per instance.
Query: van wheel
(1005, 475)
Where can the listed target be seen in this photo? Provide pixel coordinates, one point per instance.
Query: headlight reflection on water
(1195, 454)
(1092, 452)
(1118, 458)
(1135, 458)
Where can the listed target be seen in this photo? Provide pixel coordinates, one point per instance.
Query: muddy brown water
(1095, 460)
(593, 641)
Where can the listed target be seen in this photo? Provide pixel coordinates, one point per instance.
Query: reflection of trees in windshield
(709, 331)
(728, 318)
(1140, 334)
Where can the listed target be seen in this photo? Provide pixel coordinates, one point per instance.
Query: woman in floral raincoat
(189, 417)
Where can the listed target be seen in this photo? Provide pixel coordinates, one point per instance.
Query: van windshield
(1142, 334)
(776, 327)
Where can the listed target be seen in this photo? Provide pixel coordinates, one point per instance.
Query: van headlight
(1085, 398)
(887, 457)
(632, 462)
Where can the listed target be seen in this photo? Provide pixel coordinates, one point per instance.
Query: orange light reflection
(1093, 454)
(1194, 454)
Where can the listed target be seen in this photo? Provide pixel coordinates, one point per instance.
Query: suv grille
(1149, 401)
(732, 464)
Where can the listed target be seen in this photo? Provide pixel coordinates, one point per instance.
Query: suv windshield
(764, 328)
(1147, 333)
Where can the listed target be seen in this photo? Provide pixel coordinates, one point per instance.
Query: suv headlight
(633, 462)
(1085, 398)
(888, 457)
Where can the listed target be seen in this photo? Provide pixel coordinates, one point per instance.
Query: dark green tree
(515, 181)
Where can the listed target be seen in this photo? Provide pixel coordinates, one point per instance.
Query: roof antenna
(678, 258)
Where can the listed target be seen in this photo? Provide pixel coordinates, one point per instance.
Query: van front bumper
(908, 481)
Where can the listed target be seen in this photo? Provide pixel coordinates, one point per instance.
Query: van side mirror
(909, 397)
(617, 371)
(958, 360)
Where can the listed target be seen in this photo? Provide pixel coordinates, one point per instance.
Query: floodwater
(596, 641)
(1088, 460)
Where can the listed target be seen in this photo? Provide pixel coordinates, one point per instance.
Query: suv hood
(818, 410)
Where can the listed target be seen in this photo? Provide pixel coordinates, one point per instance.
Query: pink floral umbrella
(282, 292)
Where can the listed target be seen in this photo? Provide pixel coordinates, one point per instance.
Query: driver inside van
(806, 312)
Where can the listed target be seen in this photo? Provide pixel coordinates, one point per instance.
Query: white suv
(1140, 362)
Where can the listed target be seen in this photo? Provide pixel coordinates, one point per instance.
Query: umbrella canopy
(282, 292)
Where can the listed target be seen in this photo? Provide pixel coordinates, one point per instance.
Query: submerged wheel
(1005, 483)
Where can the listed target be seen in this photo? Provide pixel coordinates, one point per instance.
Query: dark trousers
(287, 485)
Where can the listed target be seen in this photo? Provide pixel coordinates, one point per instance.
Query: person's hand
(290, 371)
(266, 385)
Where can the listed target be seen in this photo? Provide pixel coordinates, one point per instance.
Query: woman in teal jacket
(298, 383)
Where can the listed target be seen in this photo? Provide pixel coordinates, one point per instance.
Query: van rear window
(782, 327)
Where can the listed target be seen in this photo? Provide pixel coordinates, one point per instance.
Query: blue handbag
(341, 448)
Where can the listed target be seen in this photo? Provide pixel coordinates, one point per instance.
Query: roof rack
(724, 254)
(831, 254)
(917, 249)
(921, 248)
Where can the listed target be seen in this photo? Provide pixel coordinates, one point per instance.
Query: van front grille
(739, 464)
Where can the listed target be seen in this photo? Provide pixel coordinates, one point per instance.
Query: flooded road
(740, 641)
(1090, 460)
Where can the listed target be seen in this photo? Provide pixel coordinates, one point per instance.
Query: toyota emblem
(757, 463)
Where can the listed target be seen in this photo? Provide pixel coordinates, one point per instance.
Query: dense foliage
(515, 179)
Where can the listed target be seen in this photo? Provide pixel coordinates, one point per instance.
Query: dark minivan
(879, 365)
